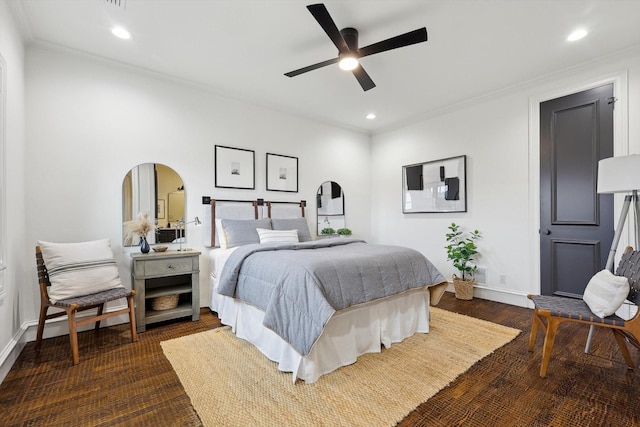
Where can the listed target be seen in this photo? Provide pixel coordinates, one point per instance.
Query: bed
(343, 326)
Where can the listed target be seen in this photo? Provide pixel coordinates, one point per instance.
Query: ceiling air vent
(118, 3)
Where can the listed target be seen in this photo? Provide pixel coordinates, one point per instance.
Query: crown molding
(24, 26)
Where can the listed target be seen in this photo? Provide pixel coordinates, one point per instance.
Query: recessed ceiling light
(121, 33)
(371, 116)
(577, 35)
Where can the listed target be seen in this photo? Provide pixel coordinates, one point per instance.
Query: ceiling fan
(346, 40)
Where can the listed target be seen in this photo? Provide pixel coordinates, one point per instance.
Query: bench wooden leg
(100, 310)
(534, 329)
(73, 336)
(41, 320)
(549, 338)
(622, 344)
(132, 318)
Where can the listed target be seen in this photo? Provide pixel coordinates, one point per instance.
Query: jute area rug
(230, 383)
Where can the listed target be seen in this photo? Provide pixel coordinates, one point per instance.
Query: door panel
(566, 255)
(574, 165)
(576, 223)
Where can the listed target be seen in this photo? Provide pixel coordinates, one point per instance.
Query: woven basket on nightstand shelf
(165, 302)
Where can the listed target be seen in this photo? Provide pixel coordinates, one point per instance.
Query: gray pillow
(299, 224)
(243, 231)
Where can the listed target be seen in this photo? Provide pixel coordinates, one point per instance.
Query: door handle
(545, 232)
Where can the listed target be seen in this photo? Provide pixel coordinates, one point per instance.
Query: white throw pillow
(605, 293)
(77, 269)
(221, 235)
(277, 236)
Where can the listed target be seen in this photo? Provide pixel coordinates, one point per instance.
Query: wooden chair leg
(549, 338)
(100, 310)
(534, 330)
(132, 318)
(622, 344)
(41, 320)
(73, 335)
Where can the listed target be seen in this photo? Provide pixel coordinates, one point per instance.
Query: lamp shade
(619, 174)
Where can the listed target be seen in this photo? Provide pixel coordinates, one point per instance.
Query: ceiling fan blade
(311, 67)
(363, 78)
(320, 12)
(412, 37)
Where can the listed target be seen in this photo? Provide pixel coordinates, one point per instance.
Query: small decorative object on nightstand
(167, 286)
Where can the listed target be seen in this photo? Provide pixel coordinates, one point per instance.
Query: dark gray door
(576, 224)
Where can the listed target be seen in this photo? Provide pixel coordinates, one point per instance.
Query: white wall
(499, 136)
(11, 318)
(90, 121)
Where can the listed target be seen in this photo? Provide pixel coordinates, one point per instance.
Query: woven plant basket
(463, 288)
(165, 302)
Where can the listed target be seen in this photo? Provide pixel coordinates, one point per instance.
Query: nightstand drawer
(166, 267)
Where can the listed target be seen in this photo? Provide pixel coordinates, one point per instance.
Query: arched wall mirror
(159, 190)
(330, 206)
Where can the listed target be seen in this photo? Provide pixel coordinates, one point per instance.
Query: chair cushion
(605, 293)
(571, 308)
(93, 299)
(77, 269)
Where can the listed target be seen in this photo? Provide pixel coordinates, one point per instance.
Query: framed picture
(436, 186)
(282, 173)
(161, 213)
(235, 168)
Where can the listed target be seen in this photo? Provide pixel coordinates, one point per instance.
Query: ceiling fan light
(348, 62)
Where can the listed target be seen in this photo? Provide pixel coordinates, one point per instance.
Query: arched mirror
(330, 207)
(158, 190)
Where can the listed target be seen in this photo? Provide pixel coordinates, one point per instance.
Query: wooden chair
(71, 306)
(550, 311)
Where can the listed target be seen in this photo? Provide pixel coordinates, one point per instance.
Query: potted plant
(462, 251)
(344, 232)
(328, 230)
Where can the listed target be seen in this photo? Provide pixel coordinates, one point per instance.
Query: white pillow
(277, 236)
(605, 293)
(220, 234)
(77, 269)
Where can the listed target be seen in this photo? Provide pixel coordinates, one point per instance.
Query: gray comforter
(300, 285)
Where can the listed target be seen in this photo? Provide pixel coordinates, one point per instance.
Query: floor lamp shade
(619, 174)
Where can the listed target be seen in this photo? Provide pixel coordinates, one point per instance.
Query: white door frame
(620, 148)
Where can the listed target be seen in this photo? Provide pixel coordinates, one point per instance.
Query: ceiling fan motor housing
(350, 37)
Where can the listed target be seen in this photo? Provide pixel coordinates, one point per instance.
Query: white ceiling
(242, 48)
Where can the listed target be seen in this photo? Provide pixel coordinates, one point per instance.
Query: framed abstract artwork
(282, 173)
(436, 186)
(235, 168)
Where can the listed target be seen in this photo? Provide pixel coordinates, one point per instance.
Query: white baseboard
(53, 328)
(505, 296)
(10, 353)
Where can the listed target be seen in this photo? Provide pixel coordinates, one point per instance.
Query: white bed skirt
(348, 334)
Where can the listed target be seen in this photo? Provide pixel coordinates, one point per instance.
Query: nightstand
(165, 274)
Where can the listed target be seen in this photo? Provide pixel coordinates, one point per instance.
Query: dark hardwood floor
(120, 383)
